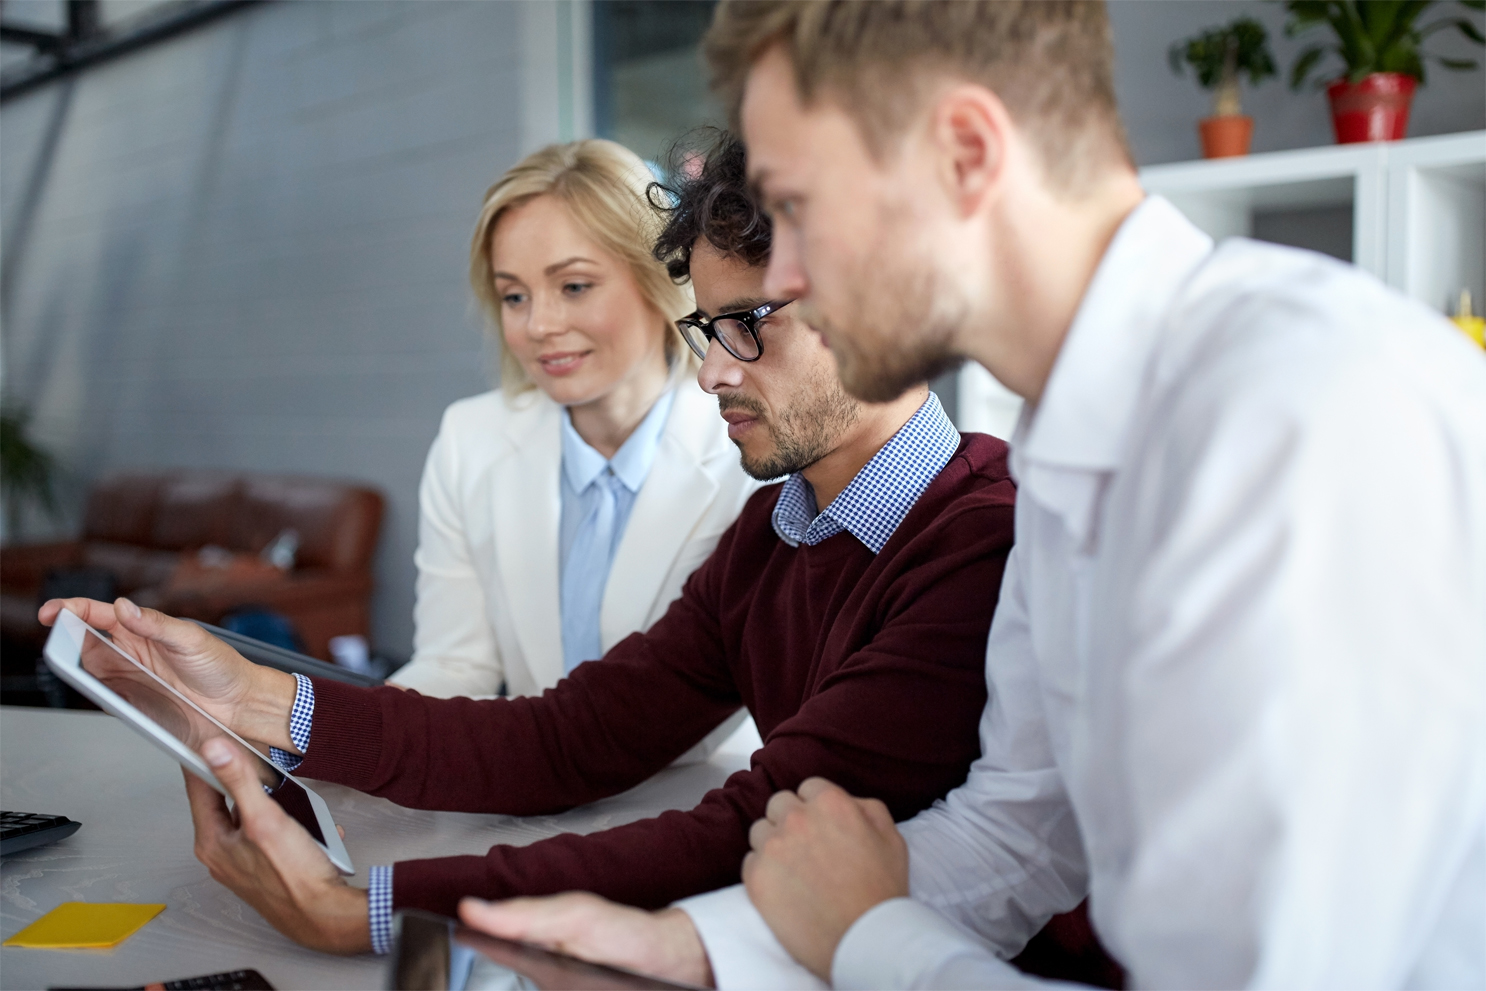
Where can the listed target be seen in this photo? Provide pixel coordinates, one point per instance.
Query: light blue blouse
(597, 498)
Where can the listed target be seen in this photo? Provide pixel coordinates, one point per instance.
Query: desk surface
(135, 846)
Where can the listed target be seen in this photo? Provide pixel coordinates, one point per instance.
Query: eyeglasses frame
(748, 318)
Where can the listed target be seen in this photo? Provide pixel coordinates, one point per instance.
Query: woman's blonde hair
(603, 185)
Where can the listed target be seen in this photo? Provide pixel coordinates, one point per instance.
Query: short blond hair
(603, 185)
(1051, 62)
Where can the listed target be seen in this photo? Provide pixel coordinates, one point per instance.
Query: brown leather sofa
(147, 530)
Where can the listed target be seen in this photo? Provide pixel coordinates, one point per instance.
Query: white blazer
(487, 607)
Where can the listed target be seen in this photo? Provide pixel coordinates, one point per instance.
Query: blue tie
(586, 570)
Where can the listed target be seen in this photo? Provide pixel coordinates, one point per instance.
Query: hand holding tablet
(251, 700)
(431, 953)
(270, 862)
(165, 714)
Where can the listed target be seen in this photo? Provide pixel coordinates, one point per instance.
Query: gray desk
(135, 846)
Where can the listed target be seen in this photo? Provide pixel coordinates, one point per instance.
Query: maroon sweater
(864, 669)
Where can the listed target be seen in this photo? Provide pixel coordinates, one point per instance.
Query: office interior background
(240, 240)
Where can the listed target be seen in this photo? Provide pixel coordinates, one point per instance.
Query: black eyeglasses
(737, 332)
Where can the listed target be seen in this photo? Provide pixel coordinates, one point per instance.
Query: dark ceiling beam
(75, 54)
(42, 40)
(82, 18)
(82, 22)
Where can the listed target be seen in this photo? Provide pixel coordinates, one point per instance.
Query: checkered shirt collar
(880, 496)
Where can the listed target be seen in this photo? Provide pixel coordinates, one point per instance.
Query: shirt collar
(581, 464)
(876, 501)
(1097, 378)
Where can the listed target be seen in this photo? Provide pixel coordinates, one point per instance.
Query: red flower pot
(1375, 109)
(1226, 136)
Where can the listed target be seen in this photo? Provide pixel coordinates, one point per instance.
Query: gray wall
(246, 248)
(1161, 111)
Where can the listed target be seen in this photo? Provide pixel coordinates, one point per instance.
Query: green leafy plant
(1374, 36)
(26, 471)
(1220, 56)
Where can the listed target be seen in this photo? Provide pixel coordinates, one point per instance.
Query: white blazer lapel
(528, 507)
(676, 494)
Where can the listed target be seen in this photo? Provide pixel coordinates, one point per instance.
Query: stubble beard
(804, 431)
(903, 323)
(881, 370)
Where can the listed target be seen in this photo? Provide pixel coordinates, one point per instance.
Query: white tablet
(91, 663)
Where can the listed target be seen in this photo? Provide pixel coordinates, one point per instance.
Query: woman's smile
(560, 363)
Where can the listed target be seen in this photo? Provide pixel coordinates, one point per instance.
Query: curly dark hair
(714, 203)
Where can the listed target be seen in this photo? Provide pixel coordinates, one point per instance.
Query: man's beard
(804, 431)
(902, 330)
(881, 370)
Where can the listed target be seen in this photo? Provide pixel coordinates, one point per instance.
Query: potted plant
(1380, 45)
(27, 472)
(1219, 56)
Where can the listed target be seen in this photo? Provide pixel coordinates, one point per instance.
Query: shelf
(1417, 207)
(1413, 213)
(1252, 196)
(1437, 219)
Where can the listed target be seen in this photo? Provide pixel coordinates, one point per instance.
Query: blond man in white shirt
(1238, 670)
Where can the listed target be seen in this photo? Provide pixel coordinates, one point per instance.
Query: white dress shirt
(1238, 669)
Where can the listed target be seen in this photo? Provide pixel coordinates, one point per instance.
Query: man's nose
(785, 276)
(719, 370)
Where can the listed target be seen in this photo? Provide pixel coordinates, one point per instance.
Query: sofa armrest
(24, 568)
(293, 592)
(308, 590)
(321, 604)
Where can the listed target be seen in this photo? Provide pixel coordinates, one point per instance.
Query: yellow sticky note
(78, 925)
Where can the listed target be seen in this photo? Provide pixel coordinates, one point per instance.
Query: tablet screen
(185, 721)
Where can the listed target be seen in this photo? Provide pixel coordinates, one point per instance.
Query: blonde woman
(563, 512)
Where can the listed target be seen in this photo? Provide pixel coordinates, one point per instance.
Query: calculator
(229, 980)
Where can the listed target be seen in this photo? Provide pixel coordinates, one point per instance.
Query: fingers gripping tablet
(122, 686)
(431, 953)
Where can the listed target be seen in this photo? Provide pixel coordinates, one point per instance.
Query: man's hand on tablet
(269, 861)
(662, 944)
(253, 700)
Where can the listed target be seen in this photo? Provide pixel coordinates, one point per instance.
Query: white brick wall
(249, 247)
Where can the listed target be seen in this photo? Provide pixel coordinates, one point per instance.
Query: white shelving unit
(1416, 211)
(1436, 232)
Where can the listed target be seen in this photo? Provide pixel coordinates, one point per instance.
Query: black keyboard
(24, 830)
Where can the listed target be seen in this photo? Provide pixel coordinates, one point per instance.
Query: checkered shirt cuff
(379, 907)
(301, 719)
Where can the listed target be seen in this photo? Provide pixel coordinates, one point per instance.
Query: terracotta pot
(1375, 109)
(1226, 136)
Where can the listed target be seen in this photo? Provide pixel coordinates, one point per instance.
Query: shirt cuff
(742, 949)
(301, 719)
(379, 907)
(902, 943)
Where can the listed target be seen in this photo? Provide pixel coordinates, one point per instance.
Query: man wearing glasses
(854, 634)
